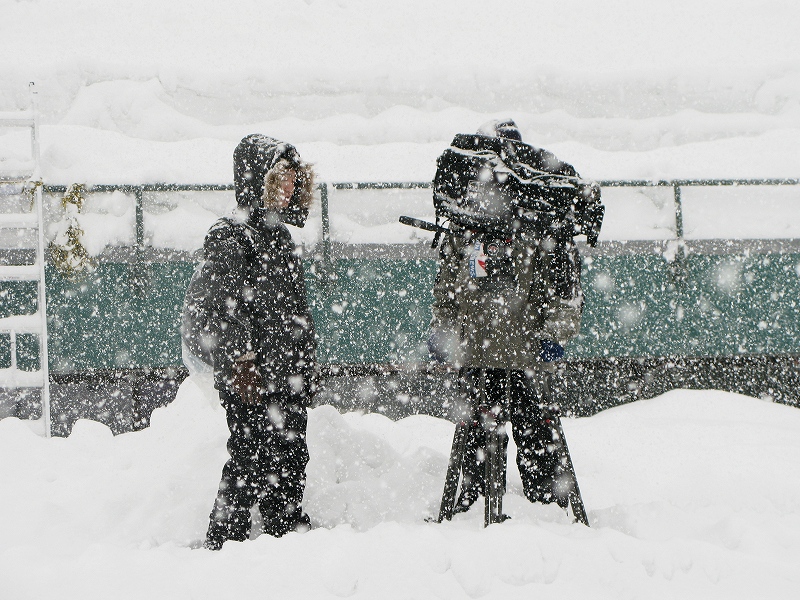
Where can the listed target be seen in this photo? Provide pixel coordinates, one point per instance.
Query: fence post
(678, 212)
(328, 272)
(139, 194)
(679, 267)
(326, 224)
(139, 279)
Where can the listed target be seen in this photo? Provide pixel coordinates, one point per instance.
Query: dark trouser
(526, 402)
(268, 457)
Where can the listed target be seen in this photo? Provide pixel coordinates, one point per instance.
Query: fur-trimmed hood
(258, 163)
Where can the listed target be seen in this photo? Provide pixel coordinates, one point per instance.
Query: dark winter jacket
(248, 298)
(498, 320)
(500, 293)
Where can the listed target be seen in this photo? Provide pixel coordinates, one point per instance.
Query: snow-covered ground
(690, 495)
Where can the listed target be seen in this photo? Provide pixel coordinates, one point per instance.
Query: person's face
(287, 189)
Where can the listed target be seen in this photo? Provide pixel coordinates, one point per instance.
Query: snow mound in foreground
(690, 494)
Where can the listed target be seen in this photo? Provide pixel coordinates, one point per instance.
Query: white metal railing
(27, 220)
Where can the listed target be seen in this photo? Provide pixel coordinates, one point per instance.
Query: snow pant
(525, 400)
(268, 457)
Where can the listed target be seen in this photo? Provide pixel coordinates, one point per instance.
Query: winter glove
(441, 344)
(246, 381)
(551, 351)
(304, 386)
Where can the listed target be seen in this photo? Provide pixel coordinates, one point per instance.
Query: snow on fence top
(177, 217)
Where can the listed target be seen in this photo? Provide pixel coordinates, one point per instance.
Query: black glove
(246, 381)
(551, 351)
(304, 386)
(441, 345)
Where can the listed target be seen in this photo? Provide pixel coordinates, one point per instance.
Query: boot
(227, 525)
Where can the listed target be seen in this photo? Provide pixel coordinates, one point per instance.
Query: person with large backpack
(507, 298)
(246, 318)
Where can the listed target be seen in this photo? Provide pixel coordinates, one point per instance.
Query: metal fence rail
(138, 192)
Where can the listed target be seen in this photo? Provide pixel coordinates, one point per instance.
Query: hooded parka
(246, 305)
(248, 298)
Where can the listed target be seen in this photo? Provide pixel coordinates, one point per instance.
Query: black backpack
(196, 335)
(197, 329)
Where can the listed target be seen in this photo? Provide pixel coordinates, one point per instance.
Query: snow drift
(690, 495)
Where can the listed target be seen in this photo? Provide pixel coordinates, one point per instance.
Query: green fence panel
(628, 308)
(373, 311)
(377, 310)
(709, 305)
(119, 317)
(19, 298)
(743, 304)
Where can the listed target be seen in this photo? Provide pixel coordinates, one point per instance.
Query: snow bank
(147, 92)
(688, 496)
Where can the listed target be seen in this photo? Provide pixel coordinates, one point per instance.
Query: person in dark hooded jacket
(501, 316)
(247, 316)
